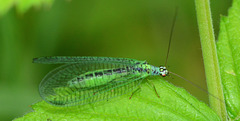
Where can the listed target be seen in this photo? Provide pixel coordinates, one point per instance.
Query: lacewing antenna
(196, 86)
(171, 33)
(169, 45)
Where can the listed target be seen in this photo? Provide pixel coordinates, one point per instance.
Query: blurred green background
(136, 29)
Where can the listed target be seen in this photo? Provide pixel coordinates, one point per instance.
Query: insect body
(83, 80)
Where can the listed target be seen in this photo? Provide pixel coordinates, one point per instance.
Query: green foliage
(228, 47)
(174, 104)
(21, 5)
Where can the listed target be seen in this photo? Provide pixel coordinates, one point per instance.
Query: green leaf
(174, 104)
(21, 5)
(228, 47)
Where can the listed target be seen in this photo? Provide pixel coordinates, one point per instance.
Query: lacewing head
(163, 71)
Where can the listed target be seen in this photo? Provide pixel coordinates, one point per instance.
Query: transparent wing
(71, 96)
(77, 59)
(60, 76)
(58, 79)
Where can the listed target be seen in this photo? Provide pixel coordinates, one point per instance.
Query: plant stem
(210, 57)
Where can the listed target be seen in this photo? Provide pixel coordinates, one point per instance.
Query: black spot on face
(137, 63)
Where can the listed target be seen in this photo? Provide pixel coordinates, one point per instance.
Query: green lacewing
(83, 80)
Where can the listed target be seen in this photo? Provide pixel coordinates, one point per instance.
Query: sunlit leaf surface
(174, 104)
(228, 47)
